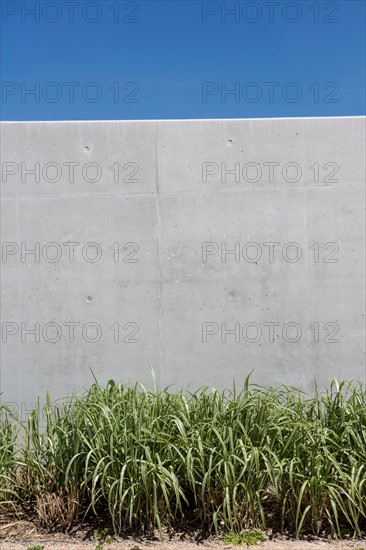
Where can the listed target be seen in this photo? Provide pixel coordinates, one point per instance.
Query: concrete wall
(165, 202)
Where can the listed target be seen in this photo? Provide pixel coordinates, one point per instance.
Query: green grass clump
(8, 434)
(248, 538)
(224, 461)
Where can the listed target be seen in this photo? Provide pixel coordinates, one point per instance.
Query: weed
(102, 538)
(249, 538)
(145, 459)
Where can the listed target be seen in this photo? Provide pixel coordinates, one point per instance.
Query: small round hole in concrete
(229, 142)
(88, 298)
(86, 148)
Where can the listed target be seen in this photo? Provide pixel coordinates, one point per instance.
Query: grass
(248, 538)
(227, 462)
(103, 538)
(8, 435)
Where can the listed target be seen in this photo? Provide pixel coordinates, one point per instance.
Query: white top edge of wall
(176, 119)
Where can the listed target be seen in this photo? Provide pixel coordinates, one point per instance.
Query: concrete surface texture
(204, 249)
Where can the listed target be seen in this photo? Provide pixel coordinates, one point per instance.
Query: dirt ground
(22, 535)
(181, 545)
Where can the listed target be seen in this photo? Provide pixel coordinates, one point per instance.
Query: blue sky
(180, 59)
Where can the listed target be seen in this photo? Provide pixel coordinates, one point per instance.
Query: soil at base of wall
(22, 535)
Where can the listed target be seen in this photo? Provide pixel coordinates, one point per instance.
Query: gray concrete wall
(164, 203)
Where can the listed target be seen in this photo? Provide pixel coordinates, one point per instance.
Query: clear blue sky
(178, 59)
